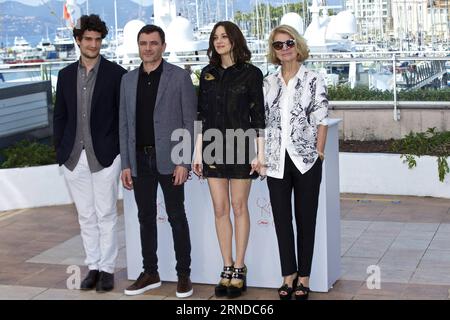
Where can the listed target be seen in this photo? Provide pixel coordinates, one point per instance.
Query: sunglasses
(278, 45)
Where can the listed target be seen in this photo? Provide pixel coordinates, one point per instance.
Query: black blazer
(104, 112)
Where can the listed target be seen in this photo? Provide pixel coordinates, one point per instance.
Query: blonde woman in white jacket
(296, 114)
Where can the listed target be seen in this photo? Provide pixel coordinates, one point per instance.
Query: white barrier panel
(381, 173)
(32, 187)
(262, 257)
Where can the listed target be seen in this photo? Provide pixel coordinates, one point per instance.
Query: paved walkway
(408, 238)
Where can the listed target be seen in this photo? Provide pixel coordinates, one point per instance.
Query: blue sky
(39, 2)
(143, 2)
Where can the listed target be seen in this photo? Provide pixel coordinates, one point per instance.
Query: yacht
(21, 45)
(22, 52)
(64, 43)
(46, 49)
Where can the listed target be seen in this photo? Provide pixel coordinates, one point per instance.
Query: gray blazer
(175, 108)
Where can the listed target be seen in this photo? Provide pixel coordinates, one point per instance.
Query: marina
(333, 52)
(338, 50)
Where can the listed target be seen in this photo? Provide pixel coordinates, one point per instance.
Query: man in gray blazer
(156, 99)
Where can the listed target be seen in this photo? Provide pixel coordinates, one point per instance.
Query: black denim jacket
(231, 98)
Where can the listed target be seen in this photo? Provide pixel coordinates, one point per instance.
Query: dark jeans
(145, 192)
(306, 196)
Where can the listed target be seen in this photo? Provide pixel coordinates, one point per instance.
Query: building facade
(420, 21)
(406, 24)
(373, 18)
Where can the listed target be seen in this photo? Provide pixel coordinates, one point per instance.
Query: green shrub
(28, 154)
(425, 95)
(361, 93)
(430, 143)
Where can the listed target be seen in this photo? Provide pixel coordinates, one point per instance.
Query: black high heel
(221, 289)
(288, 290)
(236, 289)
(304, 290)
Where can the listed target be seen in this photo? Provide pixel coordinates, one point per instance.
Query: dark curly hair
(239, 49)
(89, 23)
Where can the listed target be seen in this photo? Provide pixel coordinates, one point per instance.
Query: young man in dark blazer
(86, 137)
(157, 99)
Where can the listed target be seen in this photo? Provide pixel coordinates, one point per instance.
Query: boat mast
(232, 10)
(217, 11)
(433, 28)
(226, 9)
(197, 14)
(208, 12)
(257, 25)
(418, 28)
(304, 9)
(115, 23)
(380, 21)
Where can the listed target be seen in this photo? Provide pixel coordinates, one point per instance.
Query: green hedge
(27, 154)
(361, 93)
(345, 93)
(425, 95)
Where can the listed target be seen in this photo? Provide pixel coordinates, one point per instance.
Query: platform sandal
(236, 288)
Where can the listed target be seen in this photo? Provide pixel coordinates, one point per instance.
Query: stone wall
(375, 121)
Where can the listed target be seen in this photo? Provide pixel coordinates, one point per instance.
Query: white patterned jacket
(292, 114)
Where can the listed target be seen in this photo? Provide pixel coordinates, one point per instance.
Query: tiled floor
(408, 238)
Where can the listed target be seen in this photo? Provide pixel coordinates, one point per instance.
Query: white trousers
(95, 197)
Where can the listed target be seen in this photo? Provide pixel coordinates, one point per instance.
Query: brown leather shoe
(184, 287)
(144, 283)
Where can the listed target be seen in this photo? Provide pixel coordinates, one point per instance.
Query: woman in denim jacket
(231, 108)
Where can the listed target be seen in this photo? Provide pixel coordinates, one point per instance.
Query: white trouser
(95, 197)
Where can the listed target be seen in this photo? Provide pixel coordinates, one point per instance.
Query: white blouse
(292, 113)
